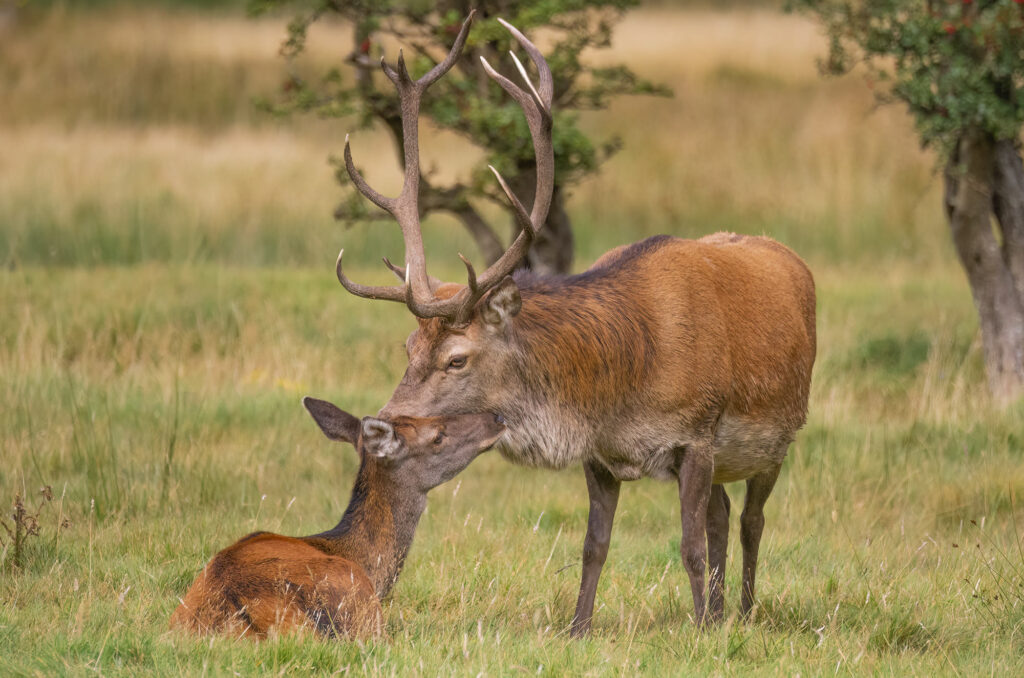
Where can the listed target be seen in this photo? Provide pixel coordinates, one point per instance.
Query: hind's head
(420, 452)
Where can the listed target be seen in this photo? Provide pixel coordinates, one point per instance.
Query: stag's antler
(417, 292)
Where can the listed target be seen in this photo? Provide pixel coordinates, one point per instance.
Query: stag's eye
(457, 363)
(439, 438)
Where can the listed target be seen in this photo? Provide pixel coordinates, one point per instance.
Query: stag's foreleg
(718, 544)
(603, 489)
(759, 487)
(695, 473)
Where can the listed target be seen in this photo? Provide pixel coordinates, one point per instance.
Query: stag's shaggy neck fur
(585, 349)
(377, 528)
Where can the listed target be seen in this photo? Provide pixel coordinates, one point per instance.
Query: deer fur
(333, 582)
(669, 358)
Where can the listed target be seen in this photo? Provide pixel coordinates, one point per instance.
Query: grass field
(167, 298)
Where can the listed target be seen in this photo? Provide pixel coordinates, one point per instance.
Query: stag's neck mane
(377, 528)
(566, 337)
(577, 362)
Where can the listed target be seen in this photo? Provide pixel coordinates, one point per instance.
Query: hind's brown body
(333, 582)
(267, 581)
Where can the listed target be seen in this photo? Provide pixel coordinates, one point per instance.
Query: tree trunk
(1008, 205)
(553, 250)
(971, 197)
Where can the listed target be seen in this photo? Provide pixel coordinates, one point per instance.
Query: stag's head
(461, 351)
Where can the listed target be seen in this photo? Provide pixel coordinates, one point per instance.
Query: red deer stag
(669, 358)
(333, 582)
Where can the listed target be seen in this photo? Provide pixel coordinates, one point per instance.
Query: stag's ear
(503, 303)
(335, 423)
(379, 439)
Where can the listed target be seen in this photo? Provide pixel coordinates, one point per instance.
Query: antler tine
(397, 270)
(381, 201)
(403, 72)
(521, 214)
(507, 262)
(431, 76)
(385, 203)
(388, 71)
(547, 83)
(400, 272)
(470, 274)
(388, 293)
(529, 83)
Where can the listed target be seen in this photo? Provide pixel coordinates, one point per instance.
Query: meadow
(167, 297)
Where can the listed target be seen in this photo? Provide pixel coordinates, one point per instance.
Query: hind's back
(267, 582)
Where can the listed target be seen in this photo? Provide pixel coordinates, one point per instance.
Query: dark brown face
(454, 370)
(422, 452)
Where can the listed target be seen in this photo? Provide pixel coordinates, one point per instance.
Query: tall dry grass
(144, 117)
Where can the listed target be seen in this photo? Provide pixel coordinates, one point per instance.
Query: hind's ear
(336, 424)
(380, 439)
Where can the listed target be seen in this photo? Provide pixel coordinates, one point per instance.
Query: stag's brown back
(736, 318)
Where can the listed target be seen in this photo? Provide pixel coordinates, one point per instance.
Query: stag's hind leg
(695, 473)
(718, 544)
(751, 526)
(603, 489)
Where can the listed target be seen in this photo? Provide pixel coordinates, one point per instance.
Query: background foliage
(956, 65)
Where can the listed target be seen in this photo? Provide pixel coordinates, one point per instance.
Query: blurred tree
(467, 102)
(9, 14)
(958, 65)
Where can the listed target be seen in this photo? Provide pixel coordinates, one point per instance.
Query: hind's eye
(439, 438)
(457, 363)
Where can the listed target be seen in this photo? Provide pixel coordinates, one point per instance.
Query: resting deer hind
(677, 359)
(333, 582)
